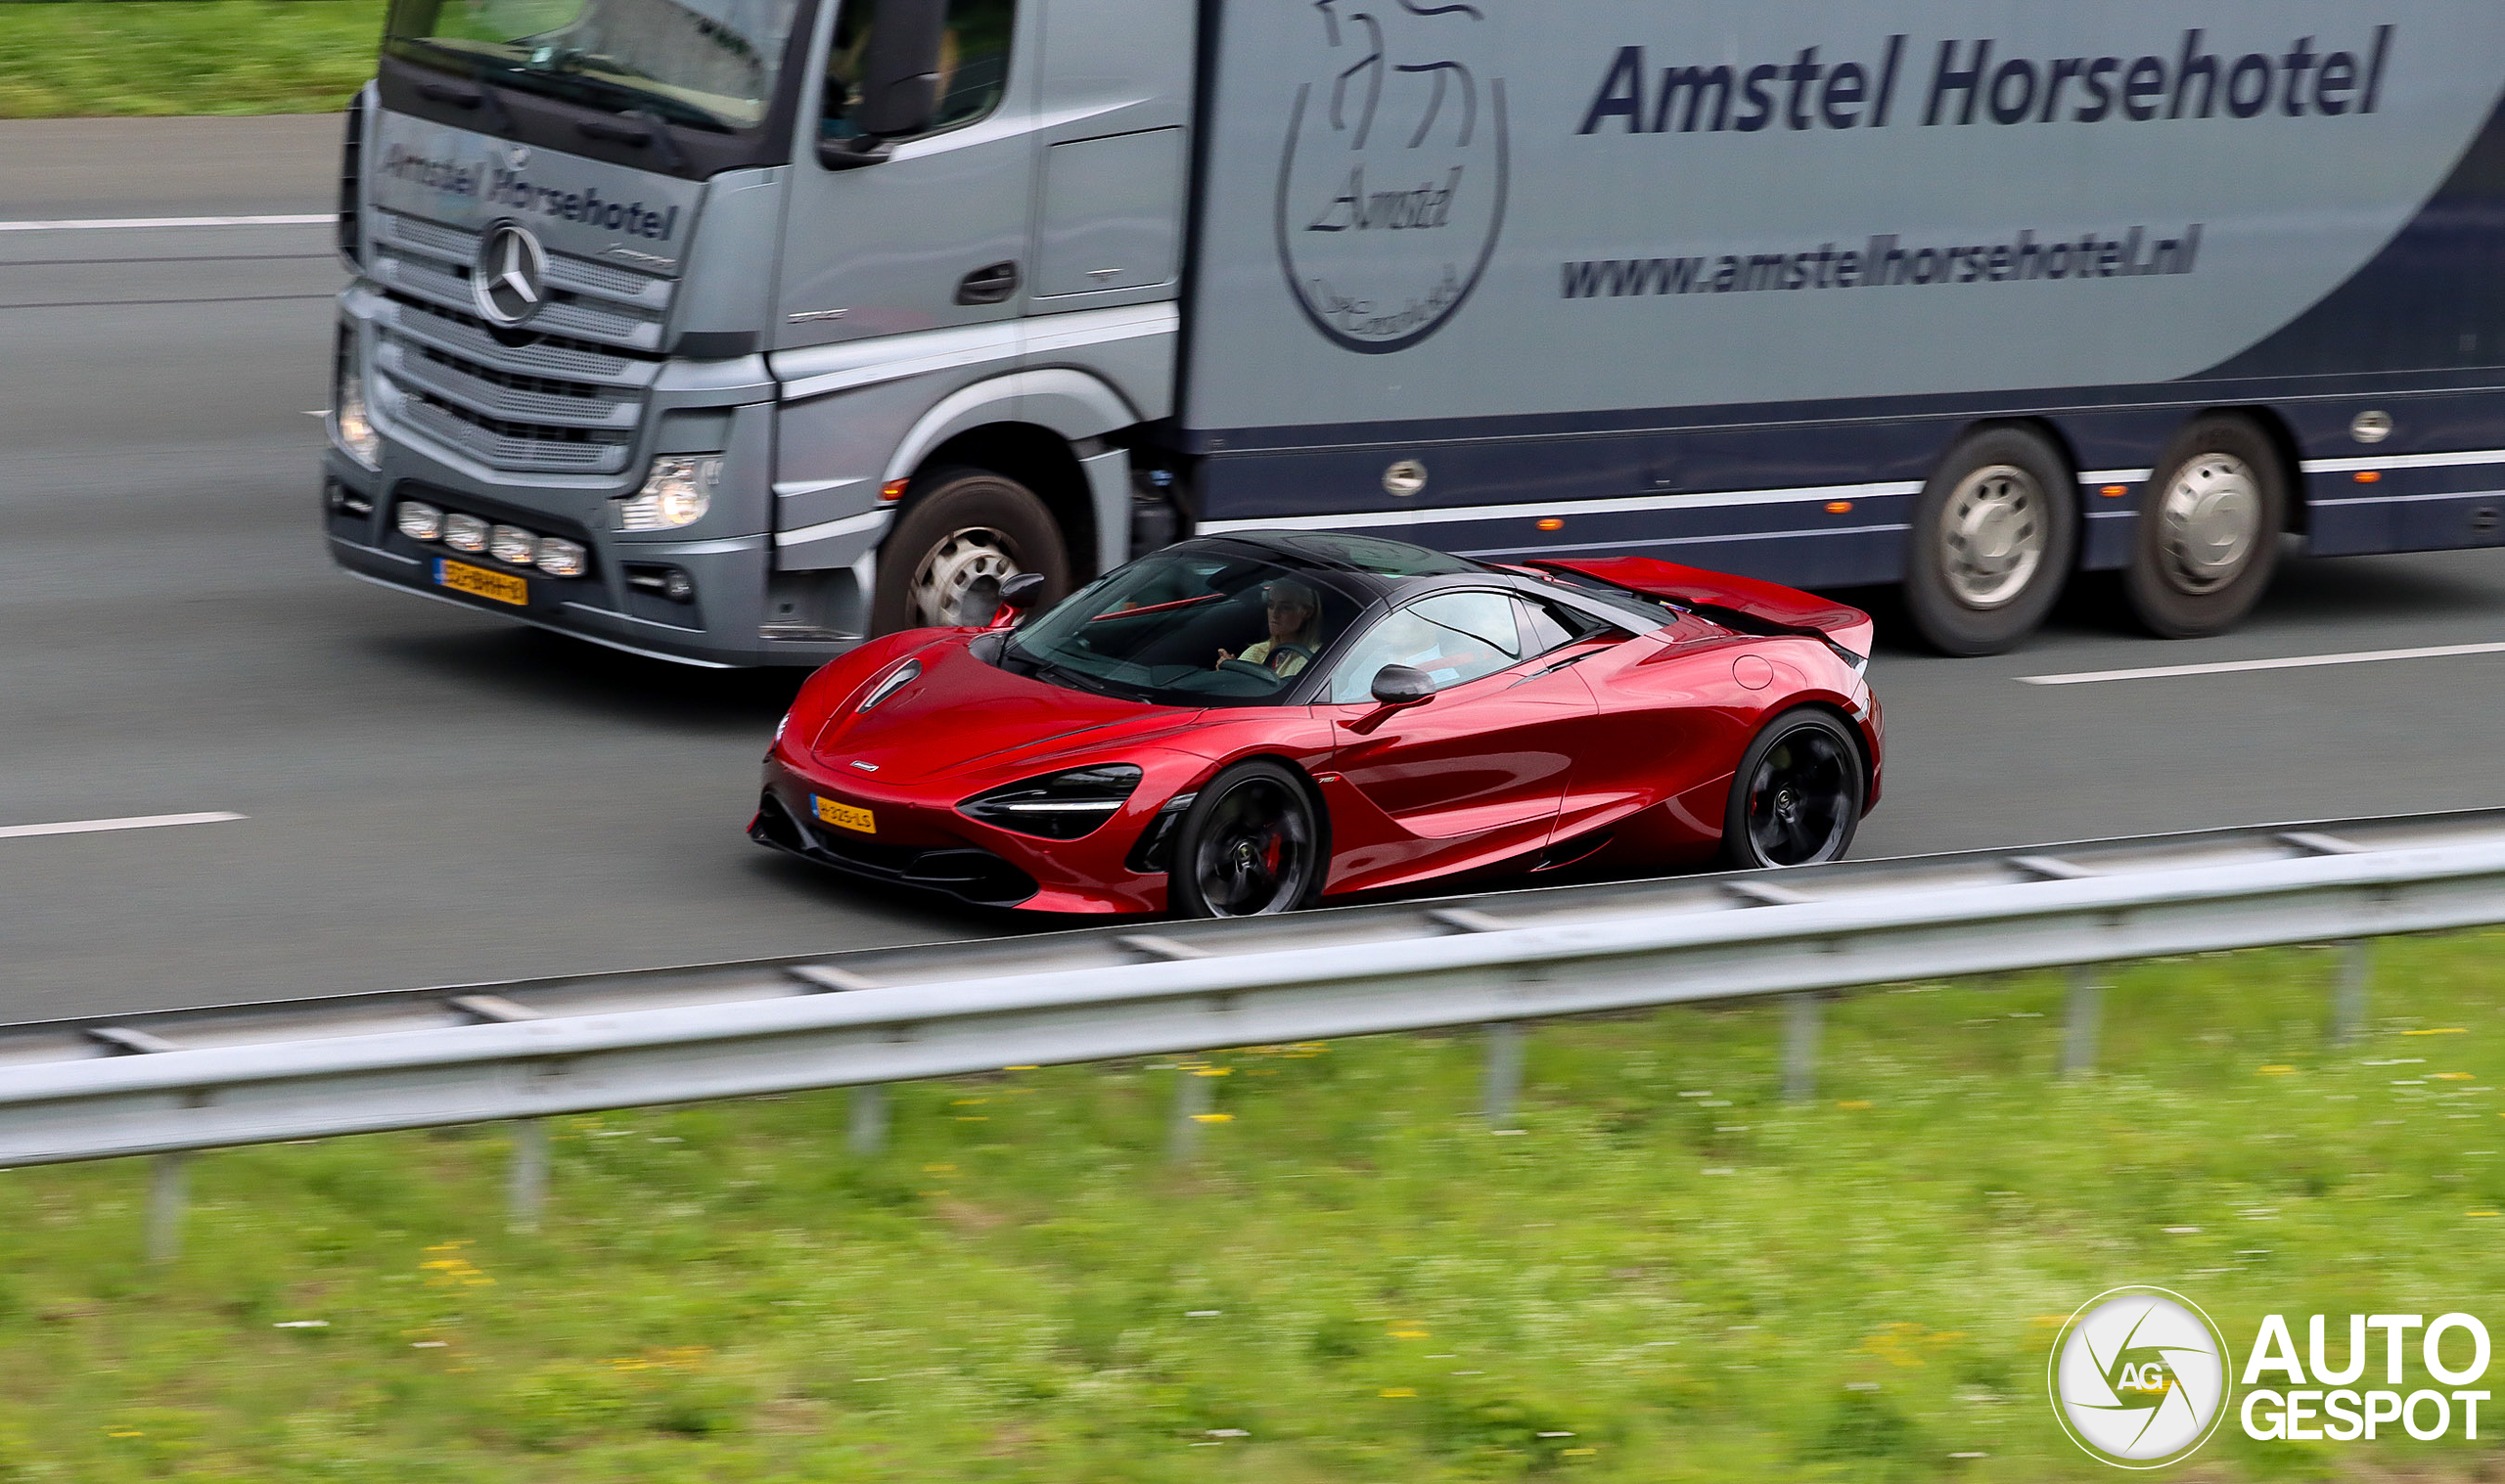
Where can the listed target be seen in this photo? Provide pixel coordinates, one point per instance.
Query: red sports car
(1249, 723)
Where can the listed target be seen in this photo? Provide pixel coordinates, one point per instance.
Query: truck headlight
(420, 522)
(350, 427)
(464, 533)
(677, 492)
(1058, 807)
(559, 557)
(514, 544)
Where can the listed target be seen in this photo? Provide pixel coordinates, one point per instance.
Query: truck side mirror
(900, 82)
(1400, 684)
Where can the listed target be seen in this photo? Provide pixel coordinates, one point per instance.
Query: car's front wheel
(1796, 798)
(1250, 844)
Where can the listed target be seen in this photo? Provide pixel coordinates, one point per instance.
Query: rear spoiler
(1743, 604)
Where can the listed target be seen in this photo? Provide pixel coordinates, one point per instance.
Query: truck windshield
(1186, 627)
(706, 63)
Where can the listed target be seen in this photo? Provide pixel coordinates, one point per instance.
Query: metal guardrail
(188, 1080)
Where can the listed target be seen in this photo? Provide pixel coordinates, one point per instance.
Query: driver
(1296, 630)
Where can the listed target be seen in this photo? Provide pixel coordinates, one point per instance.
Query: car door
(1478, 770)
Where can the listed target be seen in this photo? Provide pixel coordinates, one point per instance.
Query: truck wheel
(1991, 544)
(2209, 530)
(962, 533)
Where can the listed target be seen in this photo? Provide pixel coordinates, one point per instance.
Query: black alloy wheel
(1796, 798)
(1250, 844)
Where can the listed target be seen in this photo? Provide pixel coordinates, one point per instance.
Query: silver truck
(735, 330)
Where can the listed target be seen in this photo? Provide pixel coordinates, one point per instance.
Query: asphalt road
(433, 797)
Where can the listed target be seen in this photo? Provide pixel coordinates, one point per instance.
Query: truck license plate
(845, 816)
(478, 582)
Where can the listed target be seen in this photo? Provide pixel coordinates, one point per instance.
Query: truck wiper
(481, 94)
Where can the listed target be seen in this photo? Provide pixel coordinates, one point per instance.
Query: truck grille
(567, 399)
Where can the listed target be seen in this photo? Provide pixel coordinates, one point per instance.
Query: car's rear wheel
(962, 534)
(1252, 844)
(1796, 798)
(2209, 530)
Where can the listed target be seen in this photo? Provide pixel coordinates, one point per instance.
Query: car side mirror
(900, 82)
(1015, 596)
(1399, 684)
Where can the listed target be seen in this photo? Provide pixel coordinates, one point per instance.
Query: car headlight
(419, 521)
(464, 533)
(677, 492)
(1058, 807)
(560, 558)
(349, 423)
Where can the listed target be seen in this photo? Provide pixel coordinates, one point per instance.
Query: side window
(1548, 626)
(973, 63)
(1454, 637)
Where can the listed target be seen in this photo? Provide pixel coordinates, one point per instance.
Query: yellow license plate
(478, 582)
(845, 816)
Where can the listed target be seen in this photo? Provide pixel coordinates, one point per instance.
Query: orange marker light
(892, 491)
(1839, 507)
(2367, 475)
(2115, 491)
(1551, 523)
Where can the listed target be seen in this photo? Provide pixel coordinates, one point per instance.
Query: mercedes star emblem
(509, 281)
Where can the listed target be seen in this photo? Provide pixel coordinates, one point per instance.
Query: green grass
(134, 56)
(1670, 1277)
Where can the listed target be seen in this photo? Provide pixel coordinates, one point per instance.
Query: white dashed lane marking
(2232, 666)
(133, 822)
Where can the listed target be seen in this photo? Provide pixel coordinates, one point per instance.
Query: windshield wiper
(481, 94)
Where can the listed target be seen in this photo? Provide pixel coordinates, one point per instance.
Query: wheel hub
(1994, 535)
(957, 581)
(2209, 518)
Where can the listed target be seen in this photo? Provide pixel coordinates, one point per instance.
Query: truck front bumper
(621, 601)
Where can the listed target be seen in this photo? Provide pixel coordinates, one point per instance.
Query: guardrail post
(2078, 1027)
(2348, 1000)
(1193, 1096)
(868, 1105)
(168, 1176)
(1503, 1086)
(1801, 1047)
(526, 1181)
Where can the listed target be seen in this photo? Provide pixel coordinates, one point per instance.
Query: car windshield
(1186, 627)
(706, 63)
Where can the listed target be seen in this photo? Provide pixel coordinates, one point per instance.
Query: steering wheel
(1247, 668)
(1297, 649)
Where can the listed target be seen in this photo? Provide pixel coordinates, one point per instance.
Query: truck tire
(962, 533)
(2208, 529)
(1993, 537)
